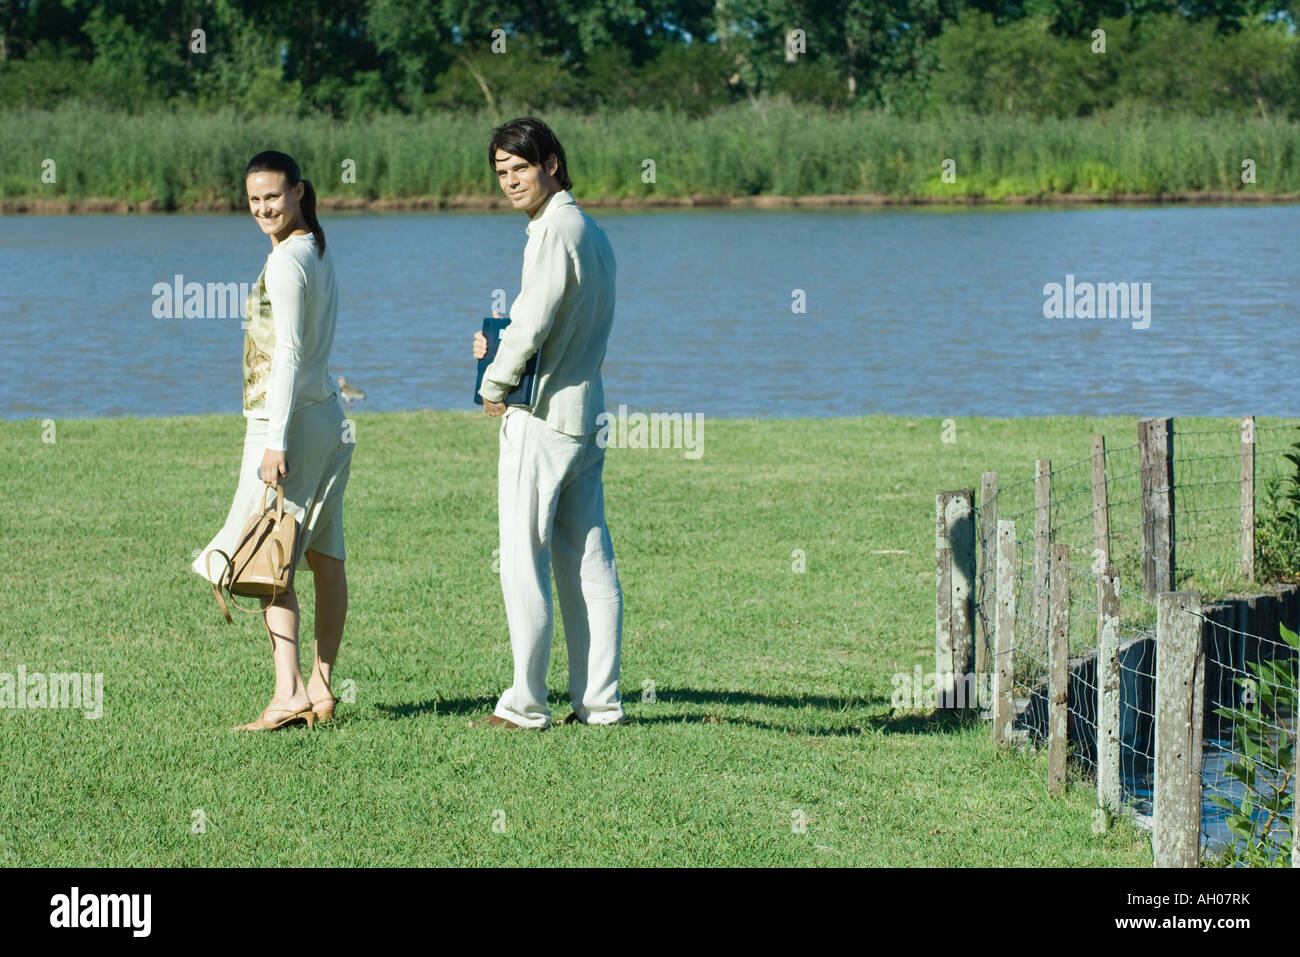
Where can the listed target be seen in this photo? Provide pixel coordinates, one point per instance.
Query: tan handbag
(262, 566)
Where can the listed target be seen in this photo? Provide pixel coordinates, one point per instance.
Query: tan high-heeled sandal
(324, 710)
(305, 713)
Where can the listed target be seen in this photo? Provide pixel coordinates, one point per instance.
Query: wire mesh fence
(1208, 543)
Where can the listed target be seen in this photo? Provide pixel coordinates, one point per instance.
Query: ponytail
(273, 161)
(308, 206)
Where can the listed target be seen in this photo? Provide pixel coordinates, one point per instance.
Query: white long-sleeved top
(291, 317)
(565, 307)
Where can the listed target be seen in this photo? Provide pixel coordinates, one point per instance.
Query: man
(551, 499)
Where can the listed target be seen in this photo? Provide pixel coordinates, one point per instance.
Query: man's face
(526, 184)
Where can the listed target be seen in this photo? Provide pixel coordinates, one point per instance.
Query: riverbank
(762, 631)
(38, 206)
(78, 160)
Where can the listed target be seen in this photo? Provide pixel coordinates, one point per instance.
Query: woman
(296, 435)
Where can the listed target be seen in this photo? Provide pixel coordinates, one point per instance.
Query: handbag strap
(221, 602)
(216, 591)
(279, 502)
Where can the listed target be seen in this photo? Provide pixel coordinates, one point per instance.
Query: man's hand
(273, 467)
(493, 409)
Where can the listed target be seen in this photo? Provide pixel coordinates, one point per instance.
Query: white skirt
(319, 459)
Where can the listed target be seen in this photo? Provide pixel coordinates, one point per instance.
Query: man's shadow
(856, 715)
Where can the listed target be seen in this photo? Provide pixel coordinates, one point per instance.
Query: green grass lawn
(772, 687)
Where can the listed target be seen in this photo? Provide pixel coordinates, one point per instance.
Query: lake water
(917, 311)
(1216, 836)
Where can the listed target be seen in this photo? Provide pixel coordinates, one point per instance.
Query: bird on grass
(350, 393)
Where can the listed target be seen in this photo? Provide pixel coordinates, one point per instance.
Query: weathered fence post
(1156, 457)
(1248, 497)
(1059, 672)
(1180, 704)
(954, 599)
(1004, 708)
(1042, 544)
(943, 591)
(1109, 793)
(1100, 502)
(987, 568)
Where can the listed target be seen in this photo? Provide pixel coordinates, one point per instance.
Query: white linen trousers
(551, 507)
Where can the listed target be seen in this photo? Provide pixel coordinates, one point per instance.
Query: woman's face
(273, 204)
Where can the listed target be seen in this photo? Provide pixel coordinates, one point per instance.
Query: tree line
(911, 58)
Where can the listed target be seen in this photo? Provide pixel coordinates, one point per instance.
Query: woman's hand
(273, 467)
(480, 345)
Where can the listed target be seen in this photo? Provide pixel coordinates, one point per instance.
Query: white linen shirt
(304, 308)
(565, 307)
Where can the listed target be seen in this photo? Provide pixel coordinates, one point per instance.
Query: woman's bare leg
(282, 619)
(331, 612)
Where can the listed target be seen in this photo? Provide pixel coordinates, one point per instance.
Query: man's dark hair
(532, 139)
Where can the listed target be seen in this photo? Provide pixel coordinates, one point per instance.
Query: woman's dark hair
(532, 139)
(272, 161)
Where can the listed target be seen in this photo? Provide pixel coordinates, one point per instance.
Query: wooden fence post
(987, 569)
(1156, 455)
(1059, 672)
(1100, 502)
(1042, 554)
(954, 640)
(1109, 792)
(1248, 497)
(1180, 704)
(1004, 709)
(943, 592)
